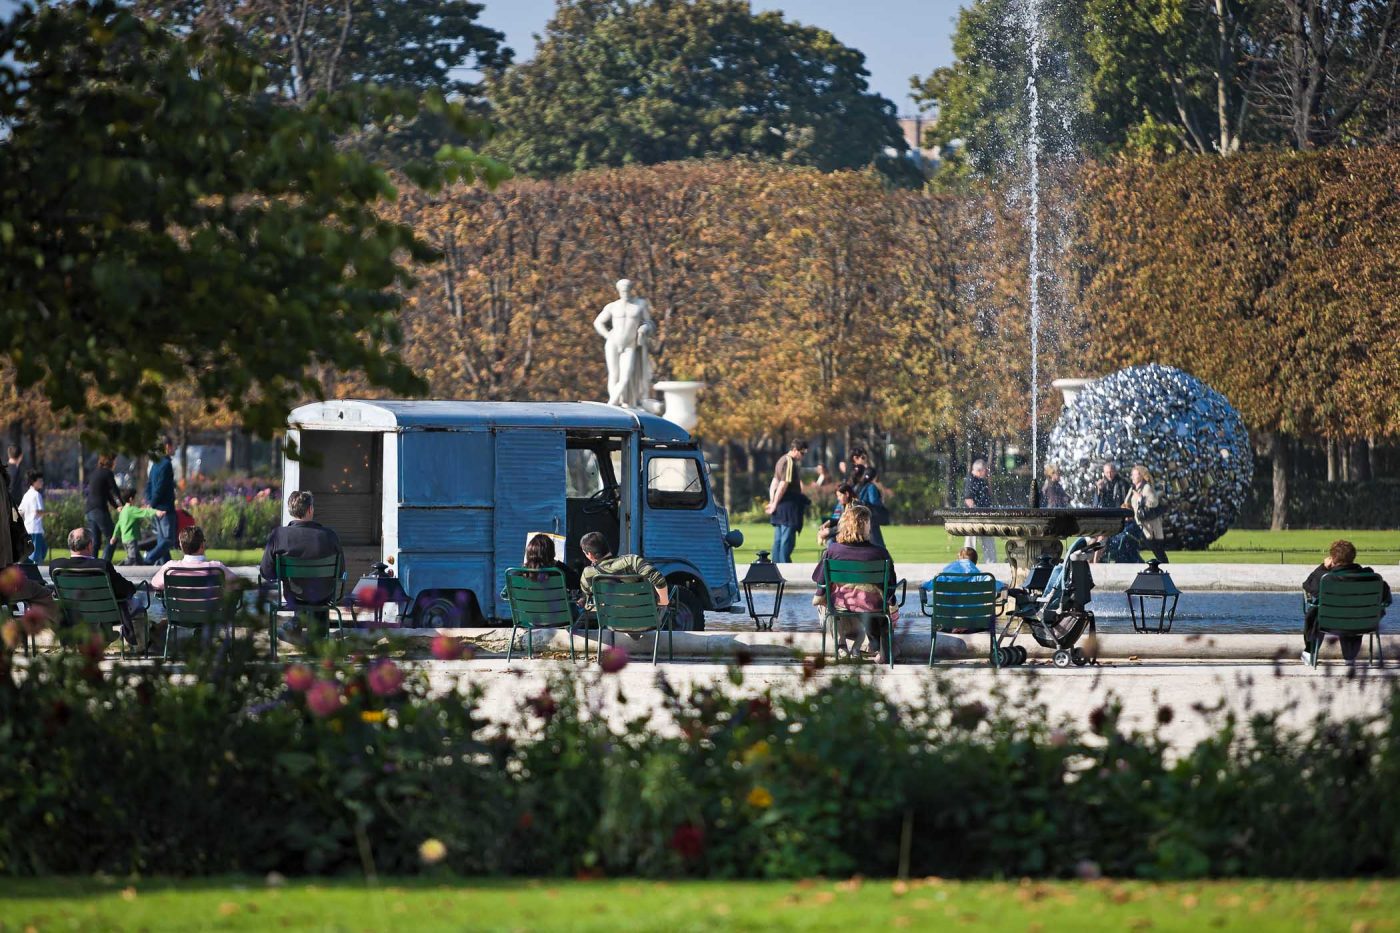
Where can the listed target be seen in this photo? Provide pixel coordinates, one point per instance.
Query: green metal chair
(962, 601)
(86, 599)
(194, 598)
(293, 575)
(539, 598)
(879, 573)
(1350, 603)
(627, 604)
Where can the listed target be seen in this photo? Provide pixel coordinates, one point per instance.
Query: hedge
(351, 763)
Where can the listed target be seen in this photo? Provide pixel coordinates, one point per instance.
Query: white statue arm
(648, 327)
(601, 322)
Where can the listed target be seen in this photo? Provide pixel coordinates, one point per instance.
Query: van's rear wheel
(690, 612)
(444, 609)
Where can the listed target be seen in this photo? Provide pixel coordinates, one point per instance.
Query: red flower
(323, 699)
(543, 705)
(11, 578)
(688, 841)
(94, 648)
(526, 820)
(370, 597)
(613, 660)
(298, 677)
(35, 620)
(385, 678)
(447, 648)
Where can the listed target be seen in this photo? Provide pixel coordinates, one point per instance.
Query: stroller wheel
(1062, 658)
(1080, 658)
(1021, 654)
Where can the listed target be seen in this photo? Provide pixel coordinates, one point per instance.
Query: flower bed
(342, 764)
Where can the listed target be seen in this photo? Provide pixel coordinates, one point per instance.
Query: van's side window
(584, 476)
(674, 483)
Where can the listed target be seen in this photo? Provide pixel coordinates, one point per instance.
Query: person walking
(18, 485)
(99, 499)
(160, 495)
(1052, 491)
(31, 509)
(787, 506)
(977, 494)
(1147, 510)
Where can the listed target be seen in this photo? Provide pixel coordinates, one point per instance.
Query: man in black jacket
(1341, 558)
(303, 537)
(81, 548)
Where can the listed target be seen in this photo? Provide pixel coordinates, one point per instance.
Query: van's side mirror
(734, 539)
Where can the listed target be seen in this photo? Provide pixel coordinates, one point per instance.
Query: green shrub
(231, 769)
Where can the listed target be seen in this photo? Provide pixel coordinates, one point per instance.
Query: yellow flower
(759, 798)
(756, 752)
(372, 715)
(432, 851)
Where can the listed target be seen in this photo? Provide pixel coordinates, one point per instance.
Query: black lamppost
(1153, 589)
(764, 573)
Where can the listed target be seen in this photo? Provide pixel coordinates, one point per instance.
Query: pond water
(1206, 612)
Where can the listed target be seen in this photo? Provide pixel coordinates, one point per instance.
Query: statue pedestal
(680, 402)
(1070, 388)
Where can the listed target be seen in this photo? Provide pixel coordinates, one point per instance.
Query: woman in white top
(1145, 503)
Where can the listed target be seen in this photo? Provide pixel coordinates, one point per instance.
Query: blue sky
(899, 37)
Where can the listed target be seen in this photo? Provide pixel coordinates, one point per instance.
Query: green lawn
(930, 544)
(644, 905)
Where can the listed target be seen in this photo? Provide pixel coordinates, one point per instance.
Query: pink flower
(298, 677)
(11, 579)
(35, 620)
(688, 841)
(447, 648)
(370, 597)
(385, 678)
(323, 699)
(613, 660)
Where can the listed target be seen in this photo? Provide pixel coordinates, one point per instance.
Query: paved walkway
(1199, 693)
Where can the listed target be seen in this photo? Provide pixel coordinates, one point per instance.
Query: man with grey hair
(80, 545)
(977, 494)
(302, 537)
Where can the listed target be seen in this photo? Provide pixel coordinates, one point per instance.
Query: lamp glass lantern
(1152, 600)
(764, 574)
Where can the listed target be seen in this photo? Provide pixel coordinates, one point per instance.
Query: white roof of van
(394, 414)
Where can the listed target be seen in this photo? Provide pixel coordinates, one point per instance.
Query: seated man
(964, 566)
(1341, 557)
(81, 546)
(303, 537)
(192, 547)
(601, 561)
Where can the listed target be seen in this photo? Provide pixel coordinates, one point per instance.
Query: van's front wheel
(445, 609)
(690, 612)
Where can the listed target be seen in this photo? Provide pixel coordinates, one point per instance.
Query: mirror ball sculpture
(1186, 433)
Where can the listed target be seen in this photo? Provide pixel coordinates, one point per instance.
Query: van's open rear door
(530, 497)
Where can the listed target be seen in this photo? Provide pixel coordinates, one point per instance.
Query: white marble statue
(625, 325)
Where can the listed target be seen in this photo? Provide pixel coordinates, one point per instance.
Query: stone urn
(680, 400)
(1070, 388)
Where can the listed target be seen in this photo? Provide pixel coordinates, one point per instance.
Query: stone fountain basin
(1032, 523)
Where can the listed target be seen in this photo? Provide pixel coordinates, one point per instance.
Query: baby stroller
(1054, 605)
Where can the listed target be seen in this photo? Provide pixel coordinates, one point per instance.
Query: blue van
(447, 492)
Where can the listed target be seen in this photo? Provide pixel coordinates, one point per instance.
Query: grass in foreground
(930, 544)
(225, 904)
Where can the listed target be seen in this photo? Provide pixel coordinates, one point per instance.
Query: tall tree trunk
(1278, 450)
(229, 446)
(82, 466)
(1346, 461)
(1372, 466)
(1331, 445)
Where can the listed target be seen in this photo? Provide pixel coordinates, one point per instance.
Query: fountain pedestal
(1028, 533)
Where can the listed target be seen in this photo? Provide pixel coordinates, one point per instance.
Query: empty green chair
(194, 598)
(959, 600)
(539, 598)
(296, 576)
(86, 599)
(1350, 603)
(863, 573)
(628, 604)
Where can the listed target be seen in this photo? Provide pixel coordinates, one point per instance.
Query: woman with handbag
(1147, 510)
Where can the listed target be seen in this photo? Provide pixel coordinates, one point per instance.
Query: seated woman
(845, 495)
(539, 555)
(853, 543)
